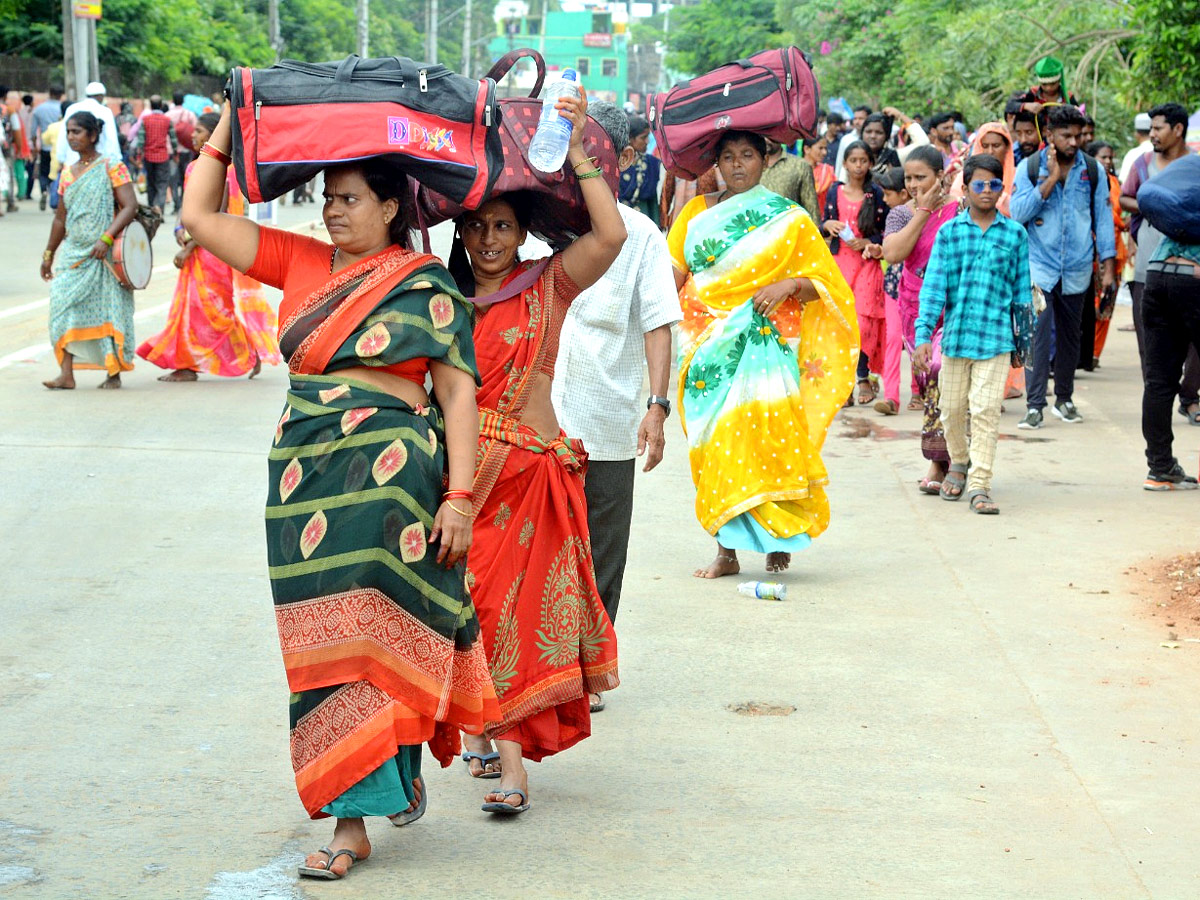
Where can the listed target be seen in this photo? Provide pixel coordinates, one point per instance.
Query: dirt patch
(1170, 588)
(755, 708)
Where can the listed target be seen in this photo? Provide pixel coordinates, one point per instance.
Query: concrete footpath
(946, 705)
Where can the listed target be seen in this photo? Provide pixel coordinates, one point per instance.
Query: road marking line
(45, 301)
(37, 351)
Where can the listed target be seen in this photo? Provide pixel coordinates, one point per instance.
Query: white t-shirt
(601, 353)
(109, 144)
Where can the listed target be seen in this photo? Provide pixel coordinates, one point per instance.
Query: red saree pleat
(547, 636)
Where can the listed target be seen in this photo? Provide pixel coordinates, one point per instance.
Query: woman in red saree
(549, 641)
(366, 547)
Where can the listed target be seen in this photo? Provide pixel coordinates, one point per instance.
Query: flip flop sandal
(949, 481)
(866, 392)
(915, 405)
(1193, 418)
(977, 499)
(407, 817)
(598, 706)
(326, 873)
(929, 487)
(507, 809)
(484, 758)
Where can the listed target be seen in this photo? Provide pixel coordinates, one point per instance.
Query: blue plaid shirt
(977, 277)
(1060, 227)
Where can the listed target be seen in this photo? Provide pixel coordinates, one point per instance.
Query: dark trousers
(1060, 321)
(609, 491)
(177, 173)
(1171, 322)
(1189, 385)
(158, 176)
(30, 177)
(44, 171)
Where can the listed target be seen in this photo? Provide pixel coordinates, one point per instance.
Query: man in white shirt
(109, 144)
(613, 329)
(1141, 124)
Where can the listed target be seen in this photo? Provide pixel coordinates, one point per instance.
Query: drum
(132, 258)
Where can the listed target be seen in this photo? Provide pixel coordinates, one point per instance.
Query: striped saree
(381, 644)
(757, 394)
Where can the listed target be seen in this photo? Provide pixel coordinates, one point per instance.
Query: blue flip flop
(401, 819)
(484, 758)
(507, 809)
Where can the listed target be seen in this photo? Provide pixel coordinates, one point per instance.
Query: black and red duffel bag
(773, 93)
(559, 212)
(294, 119)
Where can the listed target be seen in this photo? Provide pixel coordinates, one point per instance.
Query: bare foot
(478, 744)
(778, 562)
(111, 383)
(61, 383)
(349, 834)
(257, 366)
(179, 375)
(724, 564)
(418, 790)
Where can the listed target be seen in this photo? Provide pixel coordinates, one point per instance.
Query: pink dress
(865, 277)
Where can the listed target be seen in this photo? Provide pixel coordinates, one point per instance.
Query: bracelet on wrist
(219, 155)
(459, 495)
(107, 238)
(47, 255)
(925, 209)
(590, 159)
(461, 512)
(583, 176)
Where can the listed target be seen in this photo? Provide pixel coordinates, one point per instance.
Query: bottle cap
(569, 75)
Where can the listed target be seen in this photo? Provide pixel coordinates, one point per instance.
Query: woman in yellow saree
(768, 347)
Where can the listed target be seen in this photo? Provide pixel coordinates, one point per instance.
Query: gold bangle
(456, 509)
(590, 159)
(47, 255)
(595, 173)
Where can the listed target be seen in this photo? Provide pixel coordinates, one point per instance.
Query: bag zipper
(423, 79)
(257, 109)
(705, 99)
(760, 75)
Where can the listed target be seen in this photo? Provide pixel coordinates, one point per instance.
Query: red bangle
(209, 150)
(459, 495)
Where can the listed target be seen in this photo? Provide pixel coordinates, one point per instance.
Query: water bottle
(763, 590)
(548, 149)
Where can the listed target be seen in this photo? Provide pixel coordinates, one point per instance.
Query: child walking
(978, 274)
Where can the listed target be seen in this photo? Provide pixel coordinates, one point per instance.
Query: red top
(155, 129)
(299, 266)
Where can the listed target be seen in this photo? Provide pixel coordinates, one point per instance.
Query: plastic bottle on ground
(548, 149)
(763, 590)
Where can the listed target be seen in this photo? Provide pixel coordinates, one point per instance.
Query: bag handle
(509, 59)
(345, 69)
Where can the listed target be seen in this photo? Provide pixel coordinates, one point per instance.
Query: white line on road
(45, 301)
(37, 351)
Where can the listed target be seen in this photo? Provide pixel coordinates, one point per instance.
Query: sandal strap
(343, 852)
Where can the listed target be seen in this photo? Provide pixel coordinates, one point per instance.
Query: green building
(585, 41)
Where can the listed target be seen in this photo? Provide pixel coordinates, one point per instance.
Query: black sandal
(867, 394)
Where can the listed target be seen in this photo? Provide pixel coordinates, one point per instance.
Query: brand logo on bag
(723, 122)
(401, 131)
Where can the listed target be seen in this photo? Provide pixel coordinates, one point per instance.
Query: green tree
(1166, 53)
(708, 35)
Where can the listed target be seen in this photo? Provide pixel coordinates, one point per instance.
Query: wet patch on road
(277, 880)
(19, 841)
(757, 708)
(856, 428)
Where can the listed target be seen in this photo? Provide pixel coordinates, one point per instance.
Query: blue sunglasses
(995, 186)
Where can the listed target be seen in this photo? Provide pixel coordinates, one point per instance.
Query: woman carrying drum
(91, 312)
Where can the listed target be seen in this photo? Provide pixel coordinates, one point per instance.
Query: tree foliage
(715, 32)
(158, 43)
(1166, 53)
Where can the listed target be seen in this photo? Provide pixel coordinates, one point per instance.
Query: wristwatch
(661, 401)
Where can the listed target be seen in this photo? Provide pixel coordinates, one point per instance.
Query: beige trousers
(974, 386)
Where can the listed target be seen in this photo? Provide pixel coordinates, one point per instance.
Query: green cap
(1048, 69)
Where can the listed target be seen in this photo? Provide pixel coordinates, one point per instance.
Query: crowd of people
(442, 570)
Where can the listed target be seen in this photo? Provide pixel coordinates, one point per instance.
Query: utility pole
(363, 19)
(273, 28)
(433, 31)
(466, 53)
(68, 32)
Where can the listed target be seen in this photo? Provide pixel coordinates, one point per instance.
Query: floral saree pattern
(757, 394)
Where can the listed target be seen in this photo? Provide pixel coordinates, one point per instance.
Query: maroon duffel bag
(773, 93)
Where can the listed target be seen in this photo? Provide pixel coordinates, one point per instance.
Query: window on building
(602, 23)
(534, 26)
(609, 68)
(583, 66)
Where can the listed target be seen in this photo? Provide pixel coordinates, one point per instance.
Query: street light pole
(466, 51)
(433, 31)
(363, 21)
(68, 31)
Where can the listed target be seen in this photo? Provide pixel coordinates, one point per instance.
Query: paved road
(978, 709)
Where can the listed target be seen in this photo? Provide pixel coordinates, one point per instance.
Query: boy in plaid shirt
(978, 275)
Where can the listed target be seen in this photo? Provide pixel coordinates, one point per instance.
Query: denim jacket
(1060, 228)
